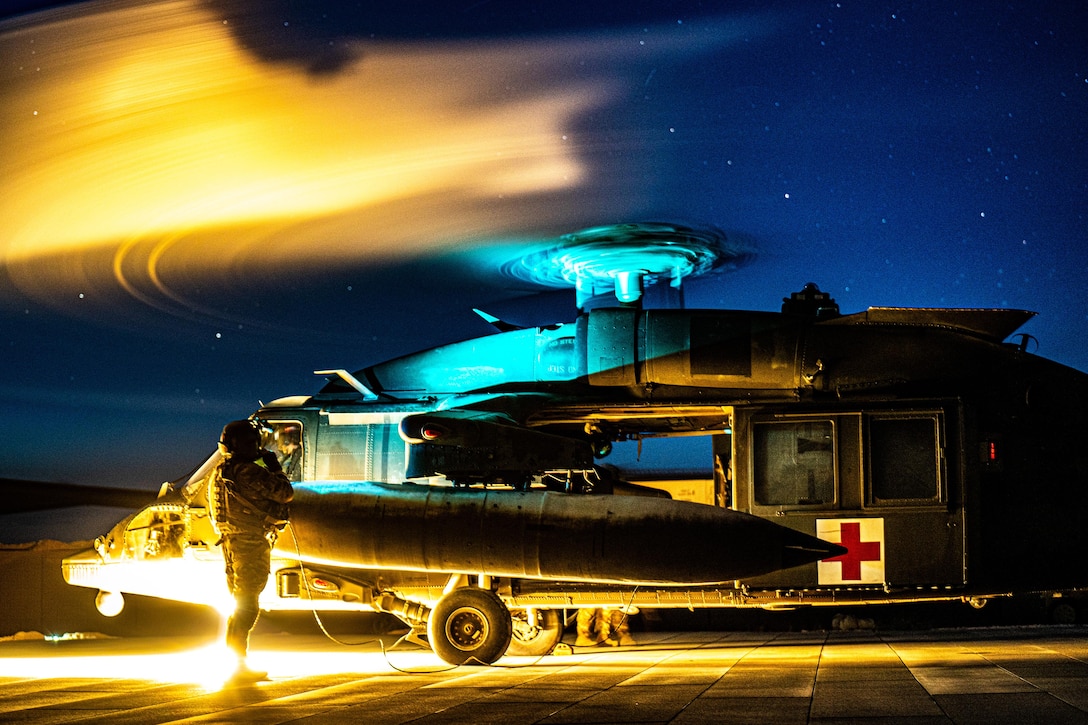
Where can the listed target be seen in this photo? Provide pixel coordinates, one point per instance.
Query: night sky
(204, 202)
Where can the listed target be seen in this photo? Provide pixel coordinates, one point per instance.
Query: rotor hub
(625, 258)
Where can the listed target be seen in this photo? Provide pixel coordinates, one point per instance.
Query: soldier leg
(241, 623)
(621, 628)
(248, 559)
(589, 628)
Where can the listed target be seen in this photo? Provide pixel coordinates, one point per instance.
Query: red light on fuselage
(430, 432)
(323, 585)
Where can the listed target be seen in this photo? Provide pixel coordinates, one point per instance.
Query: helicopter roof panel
(995, 324)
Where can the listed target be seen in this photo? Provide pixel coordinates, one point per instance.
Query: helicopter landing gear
(536, 632)
(469, 626)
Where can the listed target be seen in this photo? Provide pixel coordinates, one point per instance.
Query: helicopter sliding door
(883, 482)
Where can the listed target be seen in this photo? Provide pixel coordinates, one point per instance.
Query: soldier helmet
(241, 438)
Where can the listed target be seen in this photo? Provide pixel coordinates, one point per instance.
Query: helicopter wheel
(1063, 613)
(530, 640)
(469, 626)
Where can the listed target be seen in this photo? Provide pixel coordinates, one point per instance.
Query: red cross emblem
(863, 561)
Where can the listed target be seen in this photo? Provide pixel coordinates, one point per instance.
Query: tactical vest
(232, 512)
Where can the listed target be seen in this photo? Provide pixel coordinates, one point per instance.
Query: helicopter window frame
(804, 428)
(885, 484)
(157, 532)
(278, 426)
(335, 461)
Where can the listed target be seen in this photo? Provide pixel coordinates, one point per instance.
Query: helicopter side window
(904, 459)
(373, 452)
(794, 463)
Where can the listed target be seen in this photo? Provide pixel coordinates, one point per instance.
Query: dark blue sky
(207, 202)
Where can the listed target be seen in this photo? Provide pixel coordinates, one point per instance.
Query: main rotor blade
(18, 496)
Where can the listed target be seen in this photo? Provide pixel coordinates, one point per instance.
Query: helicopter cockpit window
(157, 532)
(286, 443)
(794, 463)
(904, 459)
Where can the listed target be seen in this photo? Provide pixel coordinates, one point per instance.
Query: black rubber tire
(537, 641)
(1063, 613)
(469, 626)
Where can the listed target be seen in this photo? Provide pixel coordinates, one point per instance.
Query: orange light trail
(175, 127)
(143, 143)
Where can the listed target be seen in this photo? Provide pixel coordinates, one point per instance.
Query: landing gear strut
(535, 632)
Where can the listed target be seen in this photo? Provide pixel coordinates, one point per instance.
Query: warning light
(431, 432)
(990, 454)
(323, 585)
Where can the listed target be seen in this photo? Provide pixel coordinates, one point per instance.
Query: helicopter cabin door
(883, 482)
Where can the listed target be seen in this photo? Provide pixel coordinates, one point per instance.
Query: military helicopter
(889, 455)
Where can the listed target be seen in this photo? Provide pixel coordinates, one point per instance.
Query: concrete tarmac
(992, 675)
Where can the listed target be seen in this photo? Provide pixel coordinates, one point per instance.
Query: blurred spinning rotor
(626, 258)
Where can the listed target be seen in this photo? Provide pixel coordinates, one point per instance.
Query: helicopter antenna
(500, 325)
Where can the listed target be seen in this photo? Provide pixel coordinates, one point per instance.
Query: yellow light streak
(210, 666)
(173, 126)
(144, 132)
(194, 577)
